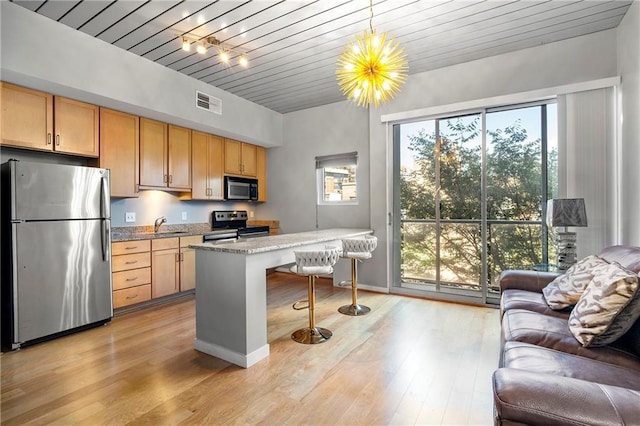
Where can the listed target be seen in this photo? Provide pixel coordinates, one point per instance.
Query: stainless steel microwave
(237, 188)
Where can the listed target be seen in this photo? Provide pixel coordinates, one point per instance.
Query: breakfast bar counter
(231, 289)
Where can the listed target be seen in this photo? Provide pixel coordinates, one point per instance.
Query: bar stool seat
(312, 264)
(357, 249)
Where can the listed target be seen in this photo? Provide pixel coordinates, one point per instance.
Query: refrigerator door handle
(105, 240)
(104, 197)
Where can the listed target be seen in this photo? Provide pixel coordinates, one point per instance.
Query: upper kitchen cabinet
(207, 166)
(153, 153)
(76, 127)
(179, 158)
(119, 151)
(165, 156)
(240, 158)
(261, 168)
(37, 120)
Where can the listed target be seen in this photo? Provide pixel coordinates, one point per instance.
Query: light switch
(184, 215)
(130, 217)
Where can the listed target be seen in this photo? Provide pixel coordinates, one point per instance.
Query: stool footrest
(300, 308)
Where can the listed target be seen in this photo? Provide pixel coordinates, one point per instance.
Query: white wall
(575, 60)
(629, 70)
(40, 53)
(325, 130)
(587, 164)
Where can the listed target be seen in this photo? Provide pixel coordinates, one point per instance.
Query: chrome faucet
(159, 221)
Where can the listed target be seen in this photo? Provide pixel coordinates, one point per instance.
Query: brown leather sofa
(546, 377)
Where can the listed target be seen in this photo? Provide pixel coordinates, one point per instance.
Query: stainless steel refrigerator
(56, 260)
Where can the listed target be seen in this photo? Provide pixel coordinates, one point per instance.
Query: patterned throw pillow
(566, 289)
(608, 307)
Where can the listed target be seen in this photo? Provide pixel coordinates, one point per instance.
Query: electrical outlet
(250, 213)
(184, 215)
(130, 217)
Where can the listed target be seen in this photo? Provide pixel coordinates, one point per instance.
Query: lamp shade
(566, 212)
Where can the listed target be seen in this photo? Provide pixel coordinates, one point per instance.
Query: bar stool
(312, 264)
(357, 249)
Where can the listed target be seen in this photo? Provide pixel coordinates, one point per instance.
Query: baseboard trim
(233, 357)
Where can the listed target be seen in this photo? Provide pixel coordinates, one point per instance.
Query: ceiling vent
(208, 102)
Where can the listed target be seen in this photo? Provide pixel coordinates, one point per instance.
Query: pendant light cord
(371, 15)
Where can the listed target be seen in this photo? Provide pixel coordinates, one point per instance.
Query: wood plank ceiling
(292, 45)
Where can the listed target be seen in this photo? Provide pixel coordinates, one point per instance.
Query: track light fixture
(224, 50)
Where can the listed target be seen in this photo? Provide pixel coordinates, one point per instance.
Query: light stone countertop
(131, 233)
(282, 241)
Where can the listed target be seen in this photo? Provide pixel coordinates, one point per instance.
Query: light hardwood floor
(410, 361)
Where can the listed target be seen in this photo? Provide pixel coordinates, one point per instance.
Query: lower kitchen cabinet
(165, 268)
(188, 262)
(131, 267)
(148, 269)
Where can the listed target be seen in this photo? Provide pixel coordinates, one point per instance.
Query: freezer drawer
(62, 277)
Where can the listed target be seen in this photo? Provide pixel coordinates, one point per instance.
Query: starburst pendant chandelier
(372, 68)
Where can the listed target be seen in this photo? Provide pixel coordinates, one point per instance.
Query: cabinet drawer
(129, 296)
(165, 244)
(131, 278)
(193, 239)
(130, 261)
(128, 247)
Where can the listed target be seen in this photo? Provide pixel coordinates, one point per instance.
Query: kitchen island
(231, 290)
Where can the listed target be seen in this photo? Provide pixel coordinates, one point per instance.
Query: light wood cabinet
(165, 271)
(131, 272)
(207, 166)
(240, 158)
(179, 158)
(28, 121)
(261, 169)
(77, 127)
(119, 151)
(188, 262)
(147, 269)
(153, 153)
(165, 156)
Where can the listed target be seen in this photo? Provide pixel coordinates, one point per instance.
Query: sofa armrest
(525, 280)
(524, 397)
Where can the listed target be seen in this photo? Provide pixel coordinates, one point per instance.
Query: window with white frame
(336, 178)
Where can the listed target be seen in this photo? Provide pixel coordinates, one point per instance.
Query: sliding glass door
(469, 204)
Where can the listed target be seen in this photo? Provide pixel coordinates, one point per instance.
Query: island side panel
(221, 300)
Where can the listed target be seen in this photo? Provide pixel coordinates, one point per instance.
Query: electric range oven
(231, 225)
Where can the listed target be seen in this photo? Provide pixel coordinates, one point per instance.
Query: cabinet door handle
(132, 297)
(131, 262)
(177, 257)
(181, 257)
(48, 138)
(170, 178)
(131, 279)
(57, 140)
(131, 247)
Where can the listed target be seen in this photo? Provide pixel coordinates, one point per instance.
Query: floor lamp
(562, 213)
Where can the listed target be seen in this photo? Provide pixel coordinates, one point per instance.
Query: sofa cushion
(523, 299)
(528, 398)
(565, 291)
(608, 307)
(539, 359)
(519, 325)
